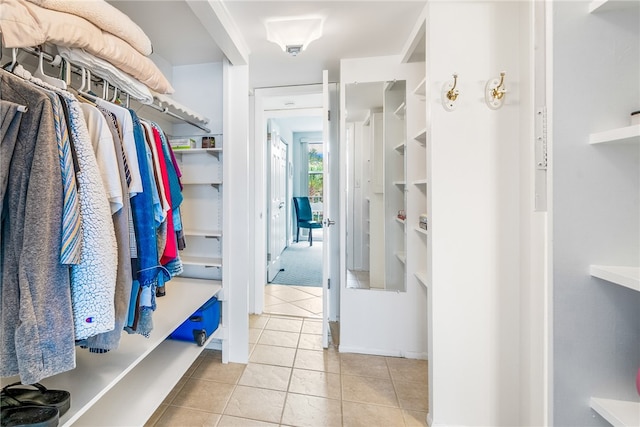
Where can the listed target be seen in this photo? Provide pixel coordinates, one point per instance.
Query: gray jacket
(36, 323)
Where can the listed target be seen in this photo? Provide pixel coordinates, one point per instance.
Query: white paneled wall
(474, 190)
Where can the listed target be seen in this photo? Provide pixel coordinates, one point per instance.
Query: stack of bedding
(90, 33)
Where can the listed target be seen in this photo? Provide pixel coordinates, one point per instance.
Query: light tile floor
(291, 381)
(288, 300)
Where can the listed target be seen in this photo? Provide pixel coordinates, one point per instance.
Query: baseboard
(416, 355)
(430, 422)
(371, 351)
(383, 352)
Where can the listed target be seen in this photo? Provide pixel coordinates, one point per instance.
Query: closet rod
(165, 110)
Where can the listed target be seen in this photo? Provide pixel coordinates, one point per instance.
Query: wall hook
(450, 94)
(494, 92)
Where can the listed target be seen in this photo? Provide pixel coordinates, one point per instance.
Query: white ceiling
(352, 29)
(176, 34)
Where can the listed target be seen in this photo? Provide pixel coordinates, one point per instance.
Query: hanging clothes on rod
(31, 227)
(80, 59)
(124, 258)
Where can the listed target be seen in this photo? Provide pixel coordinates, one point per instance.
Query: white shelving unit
(420, 182)
(203, 232)
(421, 89)
(207, 262)
(401, 110)
(422, 278)
(619, 413)
(401, 221)
(212, 183)
(624, 276)
(138, 363)
(400, 148)
(402, 257)
(598, 6)
(211, 151)
(623, 135)
(421, 231)
(421, 136)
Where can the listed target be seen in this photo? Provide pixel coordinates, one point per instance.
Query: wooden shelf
(619, 413)
(628, 277)
(201, 261)
(608, 5)
(624, 135)
(421, 89)
(400, 148)
(96, 374)
(203, 233)
(421, 231)
(402, 257)
(421, 136)
(422, 278)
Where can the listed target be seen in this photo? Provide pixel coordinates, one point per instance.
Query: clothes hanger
(39, 73)
(89, 82)
(86, 95)
(10, 66)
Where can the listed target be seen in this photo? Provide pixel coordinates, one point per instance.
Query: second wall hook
(494, 92)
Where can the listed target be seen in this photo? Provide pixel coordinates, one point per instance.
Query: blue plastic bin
(201, 324)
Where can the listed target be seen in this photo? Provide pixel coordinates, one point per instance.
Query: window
(315, 171)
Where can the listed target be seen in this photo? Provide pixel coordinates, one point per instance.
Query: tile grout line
(293, 363)
(395, 391)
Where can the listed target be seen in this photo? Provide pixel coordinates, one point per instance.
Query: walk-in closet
(481, 216)
(204, 106)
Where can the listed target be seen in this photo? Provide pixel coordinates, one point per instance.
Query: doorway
(295, 256)
(287, 105)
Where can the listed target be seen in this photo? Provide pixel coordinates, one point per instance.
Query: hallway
(291, 381)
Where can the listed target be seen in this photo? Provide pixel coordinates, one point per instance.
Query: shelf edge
(627, 134)
(628, 277)
(619, 413)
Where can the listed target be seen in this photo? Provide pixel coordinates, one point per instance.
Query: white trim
(218, 22)
(381, 352)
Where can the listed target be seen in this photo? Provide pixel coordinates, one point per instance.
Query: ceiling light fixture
(293, 35)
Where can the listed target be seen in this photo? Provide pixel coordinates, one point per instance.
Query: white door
(326, 199)
(277, 235)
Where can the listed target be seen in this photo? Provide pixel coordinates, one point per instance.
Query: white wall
(596, 208)
(200, 88)
(475, 194)
(236, 184)
(534, 231)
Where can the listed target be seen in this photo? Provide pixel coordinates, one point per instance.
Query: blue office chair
(304, 217)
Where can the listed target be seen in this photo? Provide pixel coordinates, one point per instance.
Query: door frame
(258, 158)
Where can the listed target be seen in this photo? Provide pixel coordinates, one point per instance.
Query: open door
(277, 212)
(326, 189)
